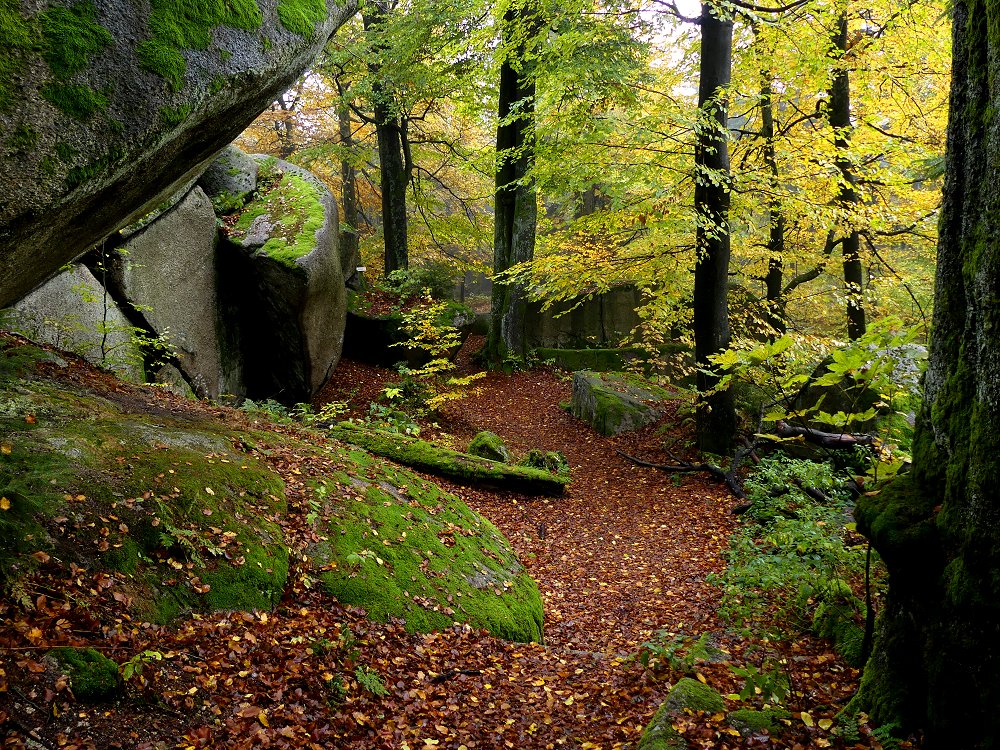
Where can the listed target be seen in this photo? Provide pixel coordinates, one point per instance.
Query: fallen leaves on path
(622, 556)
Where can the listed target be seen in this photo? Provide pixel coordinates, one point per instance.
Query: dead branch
(685, 467)
(833, 440)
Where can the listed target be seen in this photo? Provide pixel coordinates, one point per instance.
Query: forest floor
(622, 556)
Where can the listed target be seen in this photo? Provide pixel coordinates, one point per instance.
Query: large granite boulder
(107, 108)
(71, 311)
(167, 271)
(613, 403)
(230, 178)
(282, 265)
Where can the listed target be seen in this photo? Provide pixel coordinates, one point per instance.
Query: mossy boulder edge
(613, 403)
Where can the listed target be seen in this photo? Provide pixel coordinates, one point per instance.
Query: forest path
(626, 551)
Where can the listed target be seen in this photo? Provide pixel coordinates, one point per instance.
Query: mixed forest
(760, 516)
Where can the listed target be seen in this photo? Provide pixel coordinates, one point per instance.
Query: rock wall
(600, 321)
(107, 107)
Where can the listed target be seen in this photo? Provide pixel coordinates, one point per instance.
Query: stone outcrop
(167, 271)
(281, 264)
(613, 403)
(71, 311)
(108, 108)
(603, 320)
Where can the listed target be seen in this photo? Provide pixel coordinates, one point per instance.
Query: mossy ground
(295, 209)
(93, 676)
(301, 16)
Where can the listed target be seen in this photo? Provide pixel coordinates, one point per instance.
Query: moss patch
(294, 208)
(72, 37)
(399, 546)
(749, 721)
(177, 25)
(195, 522)
(75, 99)
(301, 16)
(92, 676)
(20, 36)
(687, 694)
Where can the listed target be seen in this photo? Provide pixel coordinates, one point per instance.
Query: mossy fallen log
(461, 467)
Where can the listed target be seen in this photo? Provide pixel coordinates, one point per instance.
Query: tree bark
(936, 661)
(774, 295)
(716, 419)
(349, 192)
(515, 201)
(395, 167)
(847, 194)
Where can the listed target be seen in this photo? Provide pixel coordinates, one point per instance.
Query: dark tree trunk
(847, 194)
(716, 421)
(515, 203)
(395, 166)
(775, 298)
(349, 192)
(936, 662)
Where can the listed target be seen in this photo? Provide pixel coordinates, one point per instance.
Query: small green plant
(767, 682)
(370, 680)
(268, 408)
(435, 279)
(328, 413)
(674, 652)
(133, 668)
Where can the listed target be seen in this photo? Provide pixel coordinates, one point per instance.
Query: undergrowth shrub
(796, 562)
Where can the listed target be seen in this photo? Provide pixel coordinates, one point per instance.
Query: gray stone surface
(71, 312)
(602, 320)
(68, 181)
(292, 315)
(613, 403)
(233, 172)
(168, 272)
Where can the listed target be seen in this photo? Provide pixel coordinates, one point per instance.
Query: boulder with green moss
(186, 513)
(108, 108)
(462, 467)
(399, 546)
(613, 403)
(284, 284)
(686, 695)
(489, 445)
(749, 721)
(552, 461)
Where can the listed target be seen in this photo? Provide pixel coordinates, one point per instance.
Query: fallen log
(833, 440)
(460, 467)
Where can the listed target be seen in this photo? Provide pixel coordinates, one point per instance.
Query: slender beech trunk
(936, 661)
(775, 298)
(716, 422)
(395, 165)
(515, 201)
(847, 194)
(349, 193)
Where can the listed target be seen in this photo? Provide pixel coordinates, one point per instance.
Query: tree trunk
(847, 194)
(775, 298)
(515, 202)
(393, 157)
(936, 662)
(349, 192)
(716, 421)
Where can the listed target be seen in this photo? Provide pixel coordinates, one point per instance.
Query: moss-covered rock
(462, 467)
(613, 403)
(92, 675)
(398, 546)
(113, 99)
(187, 513)
(749, 721)
(686, 695)
(489, 445)
(552, 461)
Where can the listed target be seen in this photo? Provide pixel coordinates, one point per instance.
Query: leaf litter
(622, 557)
